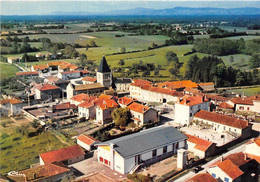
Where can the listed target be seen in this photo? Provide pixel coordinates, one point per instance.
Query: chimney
(185, 101)
(245, 157)
(179, 100)
(144, 109)
(222, 158)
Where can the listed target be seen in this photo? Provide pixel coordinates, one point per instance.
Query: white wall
(253, 149)
(83, 145)
(219, 173)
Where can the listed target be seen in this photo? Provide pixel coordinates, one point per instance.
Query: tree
(121, 62)
(121, 116)
(25, 58)
(122, 50)
(174, 69)
(231, 59)
(93, 43)
(254, 61)
(171, 57)
(156, 72)
(146, 73)
(83, 59)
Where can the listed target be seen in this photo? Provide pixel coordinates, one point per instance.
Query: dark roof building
(103, 66)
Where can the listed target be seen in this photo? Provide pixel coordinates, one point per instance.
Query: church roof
(103, 66)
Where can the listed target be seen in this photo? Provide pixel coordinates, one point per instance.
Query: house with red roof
(207, 86)
(87, 142)
(142, 114)
(67, 155)
(223, 123)
(200, 147)
(88, 79)
(253, 148)
(67, 75)
(202, 177)
(231, 168)
(29, 74)
(80, 98)
(45, 91)
(186, 107)
(104, 110)
(251, 103)
(48, 172)
(12, 106)
(124, 101)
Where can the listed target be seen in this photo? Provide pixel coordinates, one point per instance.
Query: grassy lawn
(247, 91)
(7, 70)
(19, 151)
(240, 61)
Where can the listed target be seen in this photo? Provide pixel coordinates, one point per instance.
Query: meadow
(239, 29)
(240, 61)
(245, 37)
(19, 151)
(7, 70)
(246, 91)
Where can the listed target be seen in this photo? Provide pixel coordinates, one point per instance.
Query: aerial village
(179, 130)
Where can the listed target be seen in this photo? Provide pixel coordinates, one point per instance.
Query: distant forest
(235, 20)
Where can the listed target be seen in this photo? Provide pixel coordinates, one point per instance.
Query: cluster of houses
(70, 90)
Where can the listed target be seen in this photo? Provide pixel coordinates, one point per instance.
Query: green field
(7, 70)
(246, 91)
(19, 151)
(21, 55)
(245, 37)
(239, 29)
(240, 61)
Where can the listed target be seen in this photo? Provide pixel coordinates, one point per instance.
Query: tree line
(213, 69)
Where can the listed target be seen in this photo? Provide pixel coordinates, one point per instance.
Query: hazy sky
(36, 7)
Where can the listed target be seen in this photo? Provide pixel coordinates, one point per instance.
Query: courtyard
(208, 134)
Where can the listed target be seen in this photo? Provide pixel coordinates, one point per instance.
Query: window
(214, 175)
(190, 114)
(248, 108)
(155, 153)
(226, 179)
(164, 149)
(224, 128)
(137, 159)
(138, 116)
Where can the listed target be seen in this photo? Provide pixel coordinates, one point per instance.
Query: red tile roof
(45, 86)
(141, 83)
(222, 119)
(62, 154)
(138, 107)
(246, 100)
(192, 90)
(89, 79)
(230, 169)
(104, 97)
(44, 171)
(10, 101)
(87, 139)
(202, 177)
(201, 144)
(225, 105)
(70, 72)
(89, 86)
(84, 71)
(83, 98)
(193, 100)
(27, 73)
(255, 140)
(40, 67)
(178, 84)
(106, 104)
(57, 63)
(125, 101)
(64, 106)
(73, 67)
(255, 157)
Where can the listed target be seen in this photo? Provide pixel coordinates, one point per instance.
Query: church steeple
(104, 73)
(103, 66)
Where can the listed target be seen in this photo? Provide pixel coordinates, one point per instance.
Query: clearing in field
(246, 91)
(7, 70)
(239, 61)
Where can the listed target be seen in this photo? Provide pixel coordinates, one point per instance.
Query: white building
(188, 106)
(122, 84)
(251, 103)
(87, 142)
(223, 123)
(67, 75)
(253, 148)
(126, 154)
(104, 110)
(143, 114)
(104, 74)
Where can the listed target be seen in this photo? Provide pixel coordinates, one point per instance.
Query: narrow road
(21, 68)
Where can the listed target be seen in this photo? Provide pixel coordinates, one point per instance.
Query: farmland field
(245, 37)
(19, 151)
(246, 91)
(240, 61)
(239, 29)
(7, 70)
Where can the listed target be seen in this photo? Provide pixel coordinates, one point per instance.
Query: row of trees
(221, 47)
(213, 69)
